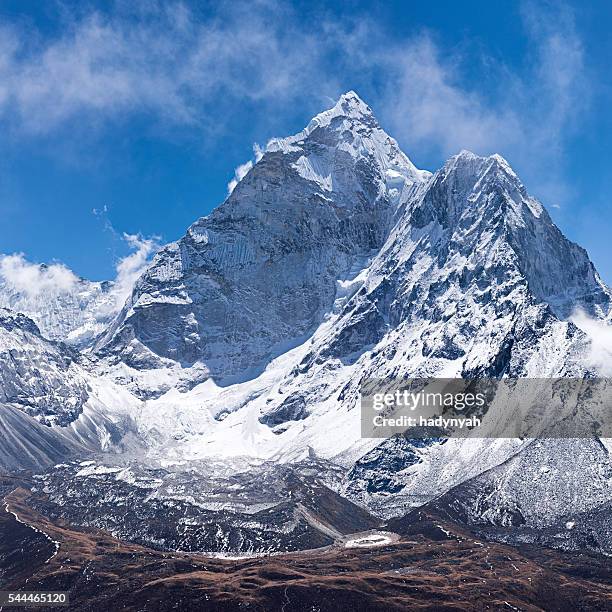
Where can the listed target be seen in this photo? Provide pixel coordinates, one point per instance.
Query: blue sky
(130, 117)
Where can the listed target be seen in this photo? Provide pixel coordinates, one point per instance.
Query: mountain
(244, 346)
(75, 313)
(258, 274)
(333, 260)
(554, 493)
(29, 445)
(51, 407)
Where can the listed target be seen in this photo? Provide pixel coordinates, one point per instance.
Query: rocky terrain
(432, 565)
(264, 510)
(42, 377)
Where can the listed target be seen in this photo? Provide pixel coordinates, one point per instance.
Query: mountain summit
(260, 272)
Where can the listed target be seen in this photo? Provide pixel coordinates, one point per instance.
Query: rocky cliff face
(473, 280)
(463, 267)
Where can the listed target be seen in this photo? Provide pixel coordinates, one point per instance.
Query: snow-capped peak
(468, 157)
(473, 195)
(349, 127)
(475, 163)
(474, 174)
(349, 106)
(349, 113)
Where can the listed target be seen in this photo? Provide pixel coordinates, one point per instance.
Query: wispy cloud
(243, 169)
(182, 67)
(162, 60)
(600, 341)
(130, 267)
(431, 105)
(240, 172)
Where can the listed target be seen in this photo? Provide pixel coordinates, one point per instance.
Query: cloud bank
(169, 61)
(32, 279)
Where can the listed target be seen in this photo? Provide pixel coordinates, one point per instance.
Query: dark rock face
(374, 471)
(292, 408)
(270, 509)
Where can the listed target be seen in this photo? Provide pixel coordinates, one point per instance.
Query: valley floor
(432, 565)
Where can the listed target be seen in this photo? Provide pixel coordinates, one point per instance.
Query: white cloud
(130, 267)
(242, 170)
(258, 151)
(600, 338)
(33, 279)
(429, 107)
(239, 173)
(161, 60)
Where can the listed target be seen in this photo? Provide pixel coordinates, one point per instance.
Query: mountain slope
(571, 509)
(29, 445)
(51, 406)
(40, 376)
(333, 260)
